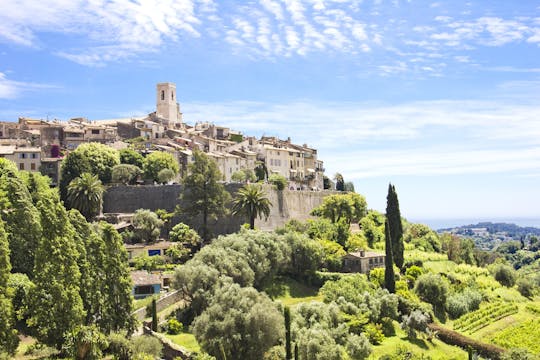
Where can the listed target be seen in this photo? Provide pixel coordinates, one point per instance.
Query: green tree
(125, 174)
(372, 226)
(349, 186)
(165, 175)
(389, 280)
(74, 165)
(252, 202)
(85, 194)
(279, 181)
(146, 225)
(131, 157)
(393, 215)
(241, 323)
(203, 195)
(184, 234)
(118, 304)
(154, 316)
(85, 343)
(433, 289)
(22, 222)
(349, 207)
(8, 335)
(157, 161)
(288, 348)
(261, 172)
(55, 303)
(505, 275)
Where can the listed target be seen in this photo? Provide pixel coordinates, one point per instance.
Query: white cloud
(10, 89)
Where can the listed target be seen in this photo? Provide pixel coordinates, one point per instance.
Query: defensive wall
(286, 204)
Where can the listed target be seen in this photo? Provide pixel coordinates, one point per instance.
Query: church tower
(167, 107)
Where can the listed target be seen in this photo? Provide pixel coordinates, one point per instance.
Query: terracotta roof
(144, 278)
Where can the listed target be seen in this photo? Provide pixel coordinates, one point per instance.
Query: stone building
(362, 261)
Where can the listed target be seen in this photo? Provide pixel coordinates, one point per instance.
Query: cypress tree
(296, 352)
(8, 336)
(287, 316)
(393, 216)
(154, 316)
(389, 280)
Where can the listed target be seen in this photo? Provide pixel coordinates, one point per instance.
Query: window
(21, 166)
(144, 289)
(22, 156)
(162, 94)
(32, 166)
(34, 156)
(172, 95)
(95, 132)
(154, 252)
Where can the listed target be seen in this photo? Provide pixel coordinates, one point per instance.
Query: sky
(440, 98)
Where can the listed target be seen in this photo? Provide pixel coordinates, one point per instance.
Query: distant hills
(510, 230)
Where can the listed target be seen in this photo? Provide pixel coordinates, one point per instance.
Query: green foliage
(101, 159)
(333, 253)
(459, 304)
(526, 287)
(55, 303)
(432, 288)
(154, 315)
(21, 219)
(422, 237)
(518, 354)
(117, 286)
(349, 186)
(288, 347)
(8, 335)
(395, 227)
(351, 288)
(165, 175)
(119, 346)
(251, 201)
(149, 263)
(520, 336)
(85, 193)
(306, 255)
(85, 343)
(146, 225)
(340, 183)
(126, 174)
(416, 322)
(174, 326)
(389, 276)
(131, 157)
(478, 319)
(349, 207)
(183, 233)
(243, 176)
(157, 161)
(203, 195)
(19, 286)
(177, 252)
(504, 274)
(147, 345)
(279, 181)
(240, 323)
(372, 226)
(374, 333)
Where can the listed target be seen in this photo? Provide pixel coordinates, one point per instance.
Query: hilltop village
(40, 145)
(148, 238)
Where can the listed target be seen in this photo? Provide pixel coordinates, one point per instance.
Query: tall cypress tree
(389, 280)
(288, 348)
(393, 216)
(8, 336)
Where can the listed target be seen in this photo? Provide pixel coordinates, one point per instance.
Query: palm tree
(251, 201)
(85, 194)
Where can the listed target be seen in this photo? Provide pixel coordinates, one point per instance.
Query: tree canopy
(157, 161)
(85, 193)
(393, 216)
(350, 207)
(203, 195)
(252, 202)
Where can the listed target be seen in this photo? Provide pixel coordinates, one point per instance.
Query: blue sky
(440, 98)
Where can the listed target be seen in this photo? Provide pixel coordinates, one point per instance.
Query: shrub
(147, 345)
(505, 275)
(416, 321)
(174, 326)
(374, 333)
(165, 175)
(85, 342)
(432, 289)
(461, 303)
(125, 173)
(525, 287)
(387, 326)
(358, 347)
(279, 181)
(119, 346)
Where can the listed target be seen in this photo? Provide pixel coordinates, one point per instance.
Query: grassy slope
(185, 340)
(291, 292)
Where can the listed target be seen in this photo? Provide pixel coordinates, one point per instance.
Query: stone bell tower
(167, 107)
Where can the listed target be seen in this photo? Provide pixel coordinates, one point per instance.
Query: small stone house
(362, 261)
(145, 284)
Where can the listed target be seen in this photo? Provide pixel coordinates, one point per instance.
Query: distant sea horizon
(438, 224)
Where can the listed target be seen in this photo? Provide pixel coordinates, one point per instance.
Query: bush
(415, 322)
(505, 275)
(125, 174)
(525, 287)
(432, 289)
(174, 326)
(119, 346)
(279, 181)
(358, 347)
(147, 345)
(165, 175)
(374, 333)
(461, 303)
(85, 342)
